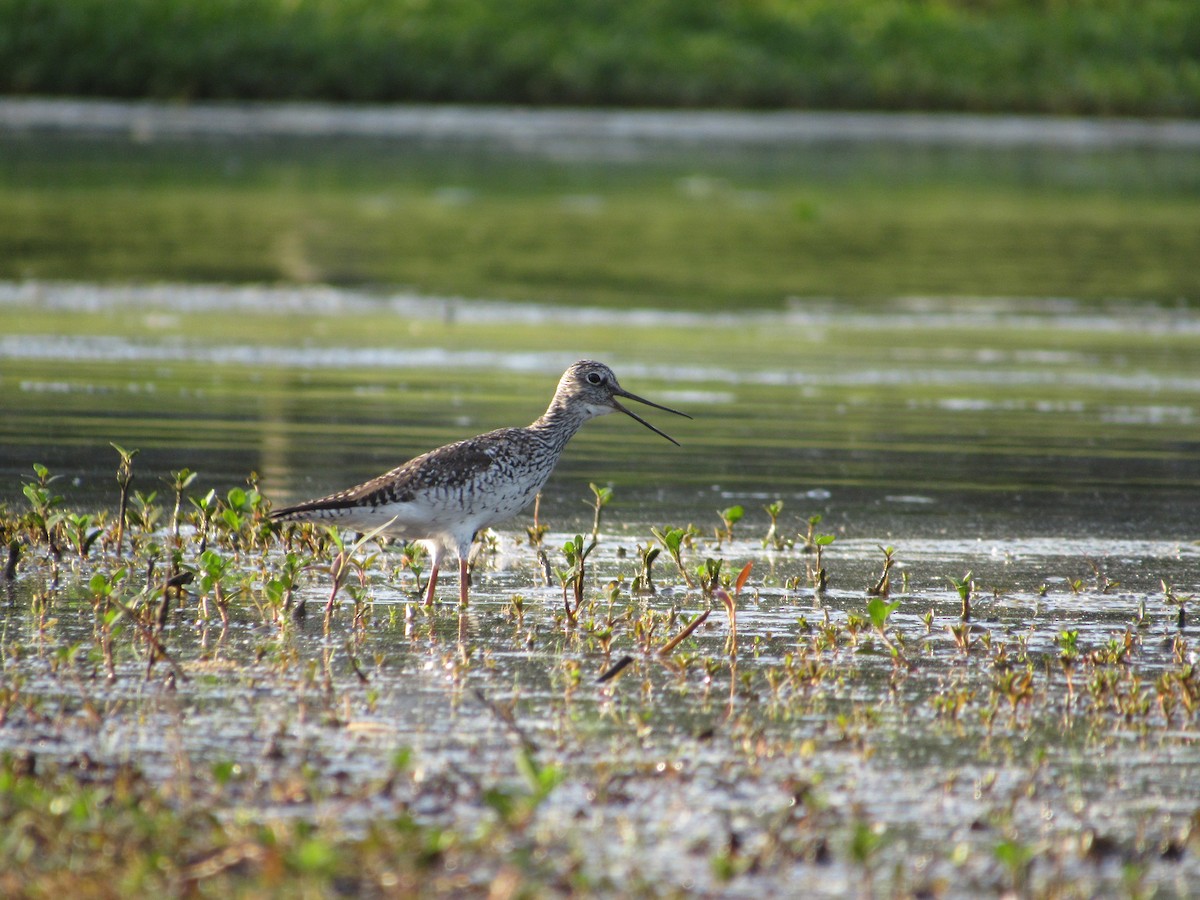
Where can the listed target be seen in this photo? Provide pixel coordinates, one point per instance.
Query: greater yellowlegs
(443, 498)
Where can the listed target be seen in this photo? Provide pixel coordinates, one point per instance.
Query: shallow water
(967, 419)
(1048, 449)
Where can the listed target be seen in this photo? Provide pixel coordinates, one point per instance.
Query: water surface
(975, 418)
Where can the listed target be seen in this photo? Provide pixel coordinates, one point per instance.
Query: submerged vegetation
(1097, 56)
(775, 705)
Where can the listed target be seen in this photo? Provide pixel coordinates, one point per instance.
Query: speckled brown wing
(461, 462)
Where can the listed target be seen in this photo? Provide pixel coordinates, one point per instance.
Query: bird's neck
(559, 423)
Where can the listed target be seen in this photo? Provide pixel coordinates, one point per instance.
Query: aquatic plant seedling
(516, 608)
(1017, 858)
(149, 623)
(856, 623)
(342, 563)
(950, 701)
(880, 611)
(124, 480)
(866, 841)
(144, 514)
(1174, 599)
(80, 532)
(537, 530)
(107, 610)
(216, 580)
(573, 576)
(709, 573)
(672, 540)
(1068, 656)
(243, 518)
(961, 632)
(279, 590)
(1180, 686)
(179, 482)
(411, 558)
(1068, 645)
(643, 582)
(536, 533)
(773, 537)
(809, 536)
(600, 498)
(1102, 581)
(818, 576)
(205, 507)
(883, 587)
(516, 808)
(730, 602)
(965, 588)
(102, 586)
(488, 542)
(729, 516)
(602, 635)
(44, 515)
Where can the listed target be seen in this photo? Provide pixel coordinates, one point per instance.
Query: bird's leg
(464, 568)
(433, 573)
(436, 552)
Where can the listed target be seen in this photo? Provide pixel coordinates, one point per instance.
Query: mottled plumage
(443, 498)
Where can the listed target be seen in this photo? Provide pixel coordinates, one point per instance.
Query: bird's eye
(595, 378)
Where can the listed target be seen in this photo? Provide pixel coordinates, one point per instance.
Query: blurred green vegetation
(1137, 57)
(74, 830)
(692, 230)
(689, 231)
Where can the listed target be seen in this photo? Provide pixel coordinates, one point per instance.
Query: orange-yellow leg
(433, 573)
(463, 582)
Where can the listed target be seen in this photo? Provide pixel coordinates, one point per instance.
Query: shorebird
(443, 498)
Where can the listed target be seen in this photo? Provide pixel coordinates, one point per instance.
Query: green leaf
(316, 856)
(500, 801)
(1012, 855)
(224, 770)
(880, 610)
(671, 538)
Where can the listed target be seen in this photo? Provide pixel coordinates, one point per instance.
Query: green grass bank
(1086, 57)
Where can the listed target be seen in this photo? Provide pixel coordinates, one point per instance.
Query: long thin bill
(638, 418)
(624, 393)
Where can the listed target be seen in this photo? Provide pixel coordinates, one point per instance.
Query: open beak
(621, 392)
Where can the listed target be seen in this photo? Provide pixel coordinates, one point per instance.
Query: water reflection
(1016, 418)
